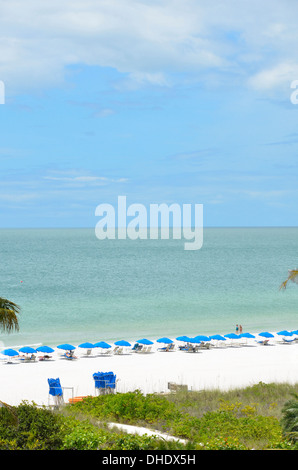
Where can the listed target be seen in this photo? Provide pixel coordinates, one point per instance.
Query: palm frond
(293, 276)
(9, 315)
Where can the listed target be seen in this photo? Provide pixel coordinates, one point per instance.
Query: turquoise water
(73, 287)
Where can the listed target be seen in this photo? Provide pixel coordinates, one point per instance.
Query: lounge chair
(164, 349)
(193, 349)
(45, 357)
(31, 358)
(263, 342)
(288, 341)
(88, 353)
(118, 350)
(204, 345)
(106, 352)
(169, 347)
(69, 355)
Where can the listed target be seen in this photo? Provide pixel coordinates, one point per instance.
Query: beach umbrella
(246, 335)
(165, 340)
(231, 336)
(285, 333)
(295, 332)
(68, 347)
(144, 341)
(10, 352)
(86, 345)
(202, 338)
(102, 344)
(122, 342)
(45, 349)
(27, 350)
(218, 337)
(182, 338)
(266, 334)
(194, 340)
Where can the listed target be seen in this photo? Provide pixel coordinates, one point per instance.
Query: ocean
(73, 287)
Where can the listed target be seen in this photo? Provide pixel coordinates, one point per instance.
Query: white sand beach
(224, 368)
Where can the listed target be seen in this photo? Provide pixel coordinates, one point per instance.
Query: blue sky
(161, 101)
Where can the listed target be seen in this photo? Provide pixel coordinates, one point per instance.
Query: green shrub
(30, 428)
(128, 407)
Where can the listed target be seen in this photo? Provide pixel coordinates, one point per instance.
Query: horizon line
(93, 227)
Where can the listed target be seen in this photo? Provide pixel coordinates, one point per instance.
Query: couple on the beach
(239, 329)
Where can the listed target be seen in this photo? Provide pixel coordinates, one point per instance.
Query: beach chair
(263, 342)
(168, 348)
(106, 352)
(88, 353)
(288, 341)
(164, 349)
(45, 357)
(56, 391)
(31, 358)
(137, 347)
(69, 355)
(118, 350)
(204, 345)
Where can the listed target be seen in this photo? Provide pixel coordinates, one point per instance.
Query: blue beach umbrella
(144, 341)
(27, 350)
(295, 332)
(182, 338)
(102, 344)
(164, 340)
(68, 347)
(10, 352)
(218, 337)
(231, 336)
(45, 349)
(194, 340)
(246, 335)
(202, 338)
(285, 333)
(122, 342)
(266, 334)
(86, 345)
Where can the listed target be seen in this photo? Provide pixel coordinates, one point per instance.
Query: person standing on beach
(240, 329)
(237, 328)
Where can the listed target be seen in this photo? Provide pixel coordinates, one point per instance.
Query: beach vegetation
(263, 416)
(31, 428)
(239, 419)
(9, 312)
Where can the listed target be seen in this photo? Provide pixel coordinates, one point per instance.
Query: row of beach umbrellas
(69, 347)
(144, 341)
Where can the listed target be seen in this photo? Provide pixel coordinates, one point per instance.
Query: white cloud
(148, 40)
(277, 76)
(85, 179)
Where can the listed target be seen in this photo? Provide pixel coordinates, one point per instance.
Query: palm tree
(9, 315)
(293, 276)
(289, 420)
